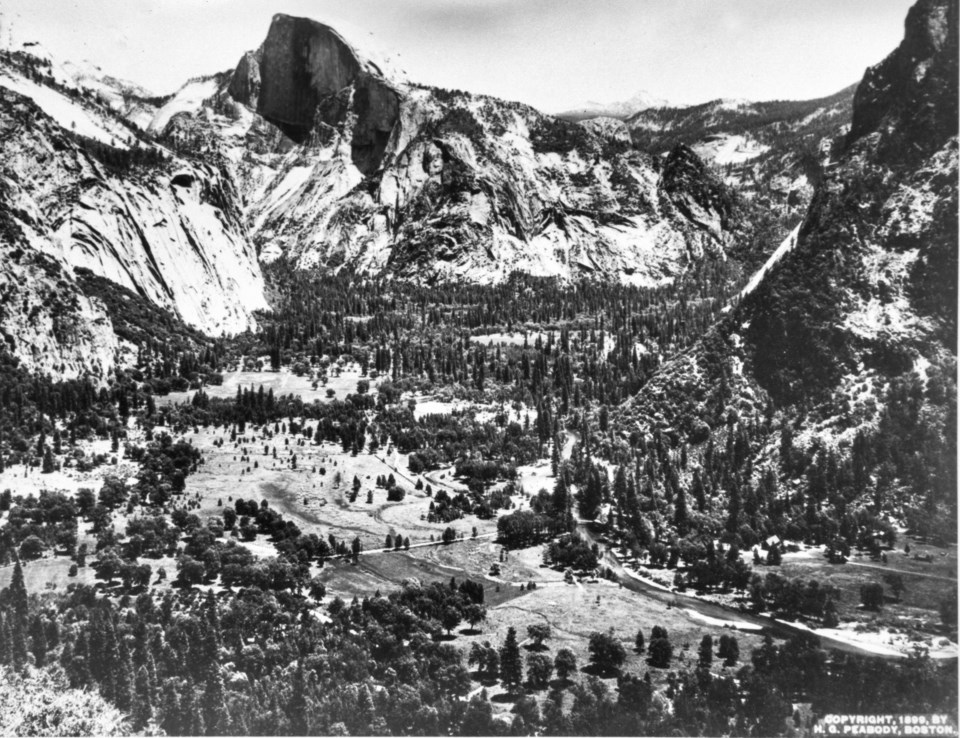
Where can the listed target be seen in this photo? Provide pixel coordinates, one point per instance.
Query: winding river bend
(726, 614)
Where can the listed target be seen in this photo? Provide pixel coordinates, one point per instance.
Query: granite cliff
(374, 173)
(86, 189)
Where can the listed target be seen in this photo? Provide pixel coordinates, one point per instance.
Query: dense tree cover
(791, 598)
(117, 159)
(170, 354)
(382, 663)
(426, 334)
(571, 551)
(32, 405)
(186, 662)
(45, 523)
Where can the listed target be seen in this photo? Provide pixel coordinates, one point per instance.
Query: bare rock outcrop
(309, 76)
(912, 94)
(245, 82)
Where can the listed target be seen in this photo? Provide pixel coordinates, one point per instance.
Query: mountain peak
(299, 77)
(915, 86)
(641, 100)
(364, 45)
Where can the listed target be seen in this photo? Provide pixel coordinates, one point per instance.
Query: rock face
(911, 96)
(377, 108)
(169, 229)
(46, 321)
(302, 63)
(475, 189)
(848, 344)
(308, 76)
(245, 81)
(176, 240)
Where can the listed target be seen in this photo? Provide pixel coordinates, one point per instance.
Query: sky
(553, 54)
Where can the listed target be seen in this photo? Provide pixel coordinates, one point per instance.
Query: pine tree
(19, 644)
(125, 680)
(365, 711)
(733, 518)
(213, 637)
(143, 699)
(786, 447)
(192, 717)
(511, 666)
(297, 707)
(48, 465)
(17, 593)
(591, 496)
(560, 500)
(214, 703)
(77, 663)
(38, 640)
(680, 512)
(729, 650)
(705, 654)
(620, 486)
(698, 491)
(170, 719)
(6, 641)
(830, 618)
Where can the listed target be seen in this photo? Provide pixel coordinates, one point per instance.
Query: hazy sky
(553, 54)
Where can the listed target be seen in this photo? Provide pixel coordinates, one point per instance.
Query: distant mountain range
(643, 100)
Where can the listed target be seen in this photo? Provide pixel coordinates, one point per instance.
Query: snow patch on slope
(69, 114)
(732, 103)
(725, 149)
(188, 99)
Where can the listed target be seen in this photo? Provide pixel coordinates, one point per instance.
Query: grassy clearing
(475, 558)
(516, 338)
(48, 574)
(468, 559)
(317, 503)
(342, 380)
(925, 583)
(25, 480)
(387, 571)
(574, 612)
